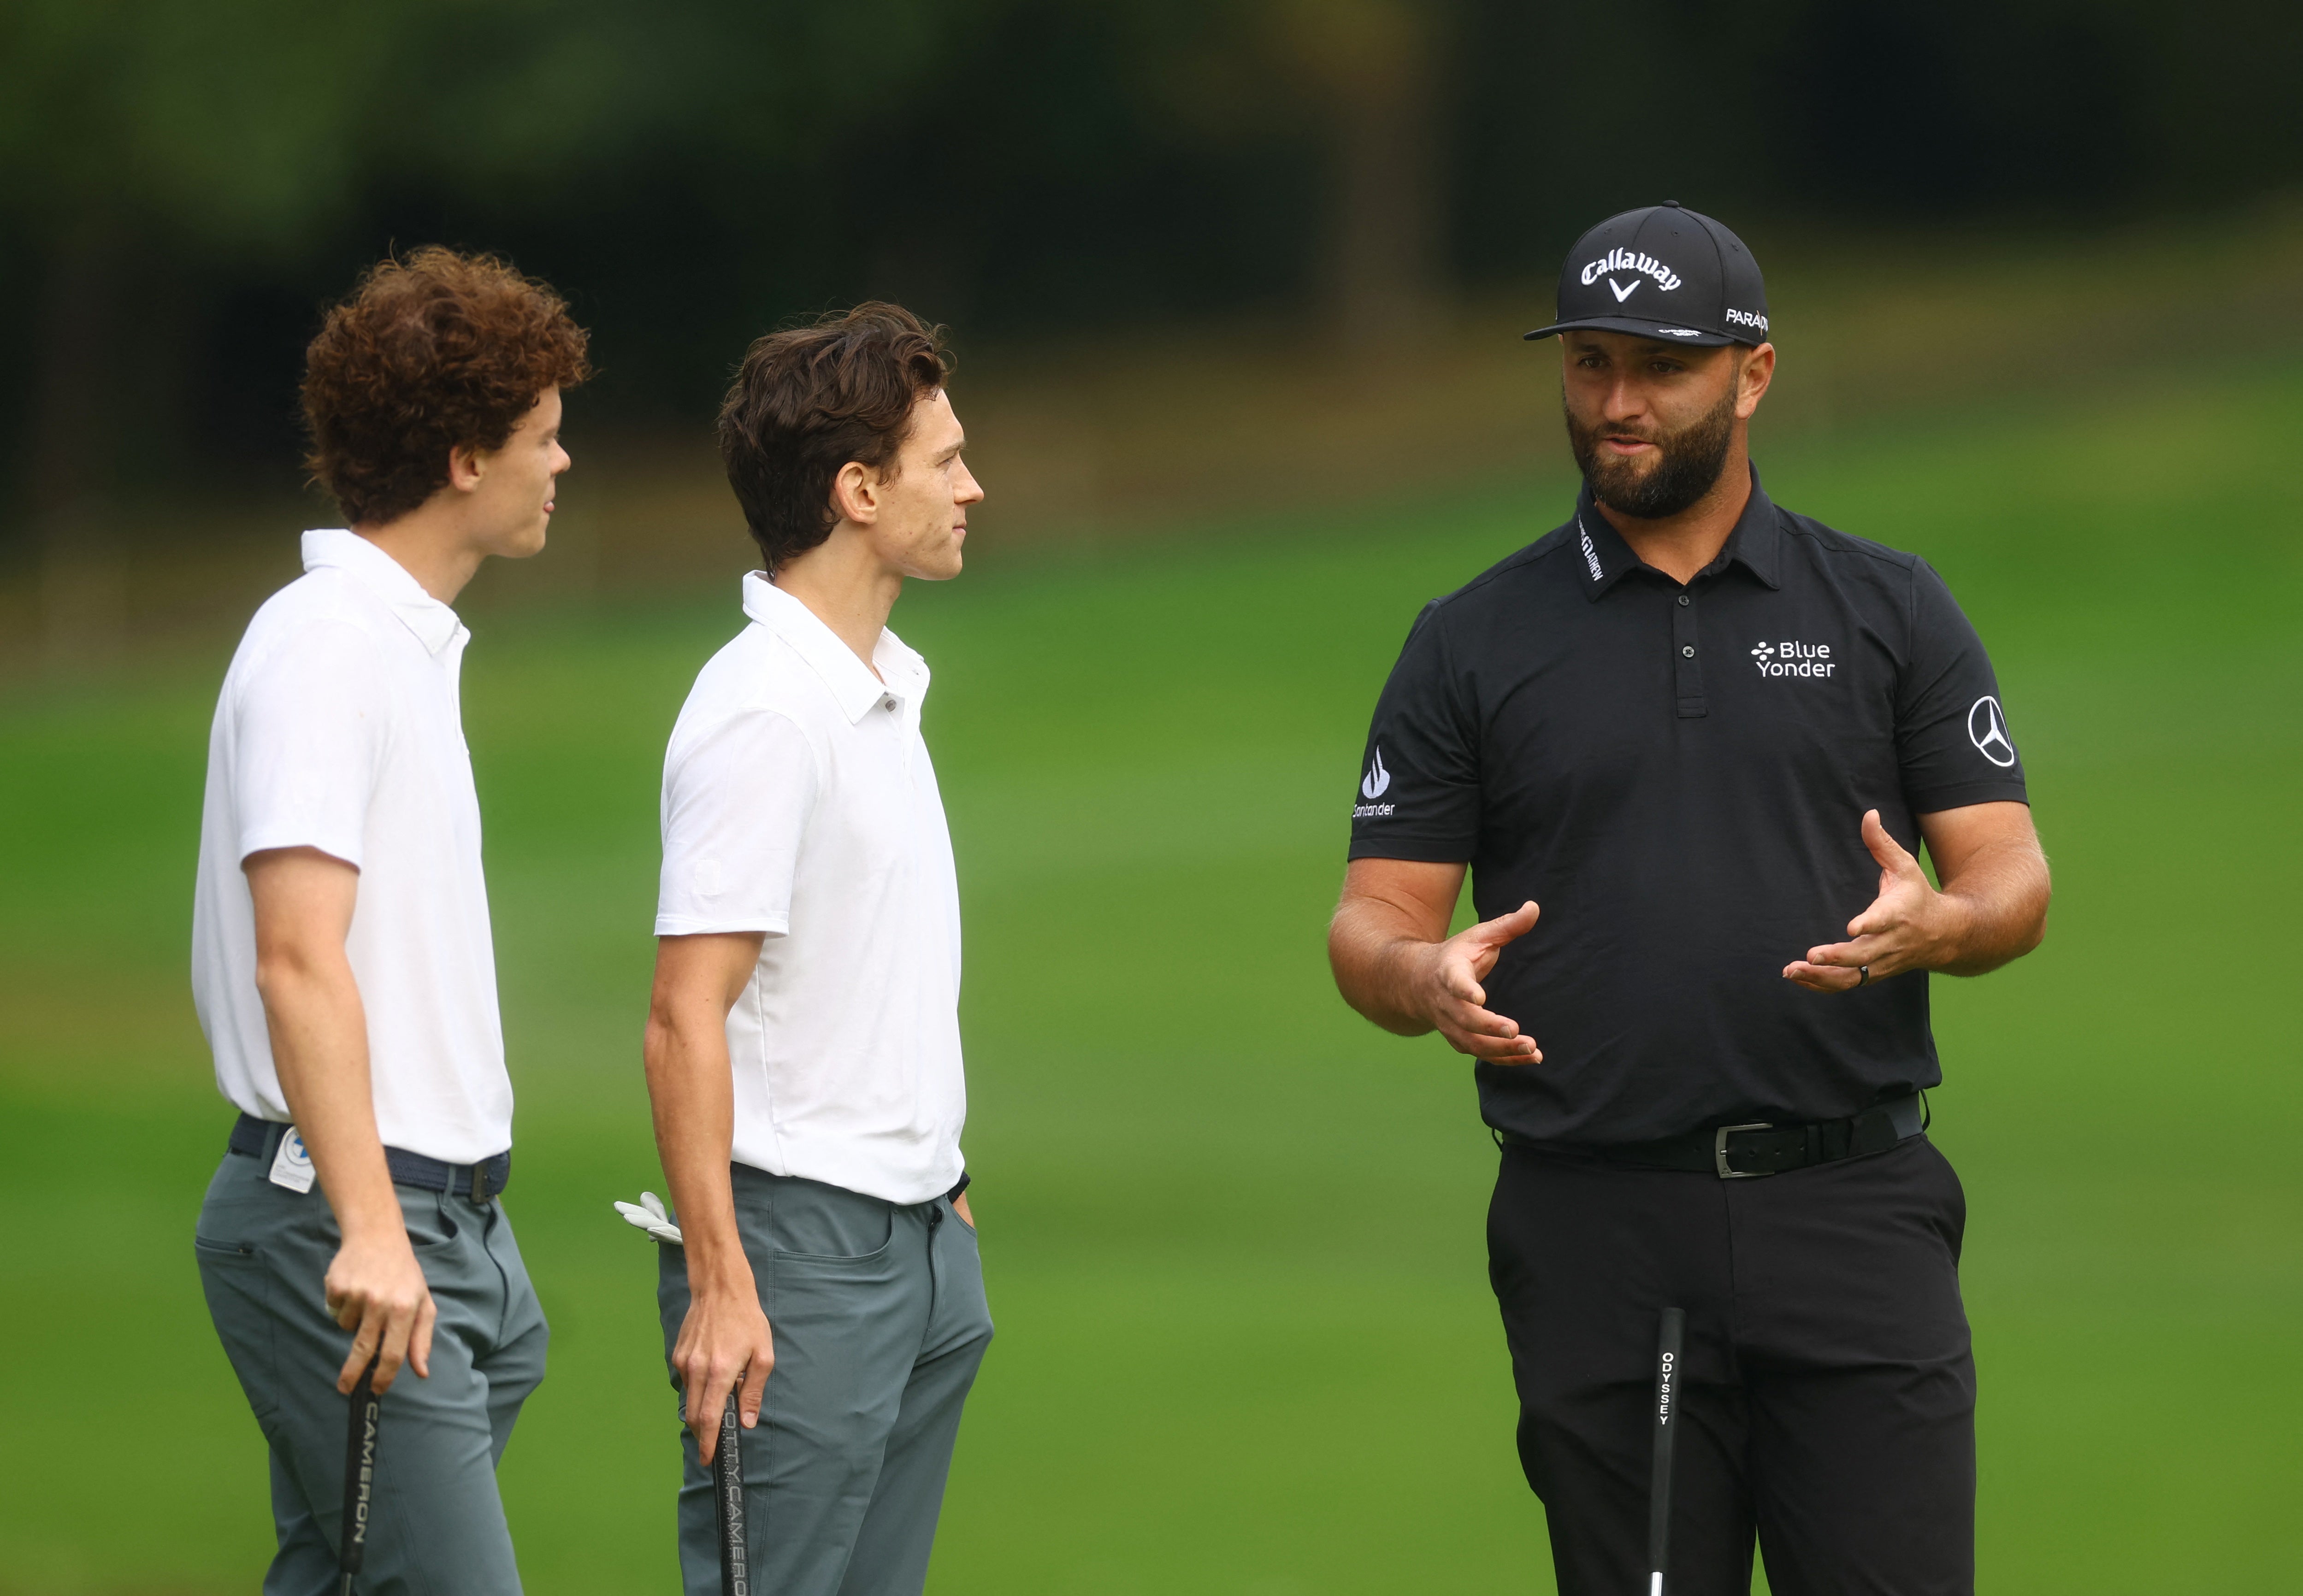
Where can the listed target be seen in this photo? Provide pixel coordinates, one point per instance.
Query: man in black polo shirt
(1701, 732)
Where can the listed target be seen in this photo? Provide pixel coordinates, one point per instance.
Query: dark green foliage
(694, 170)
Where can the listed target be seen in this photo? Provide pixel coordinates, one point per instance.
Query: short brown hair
(809, 399)
(433, 353)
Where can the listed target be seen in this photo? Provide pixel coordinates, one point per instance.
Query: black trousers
(1829, 1386)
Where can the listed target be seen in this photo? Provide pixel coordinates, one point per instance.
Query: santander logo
(1377, 782)
(1373, 786)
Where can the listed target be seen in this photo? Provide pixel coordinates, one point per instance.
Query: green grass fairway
(1233, 1234)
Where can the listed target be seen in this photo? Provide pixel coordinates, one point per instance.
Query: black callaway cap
(1666, 273)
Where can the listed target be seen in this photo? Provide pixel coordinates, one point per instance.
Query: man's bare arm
(725, 1337)
(1395, 962)
(1992, 908)
(304, 901)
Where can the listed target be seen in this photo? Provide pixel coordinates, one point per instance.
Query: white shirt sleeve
(735, 803)
(314, 723)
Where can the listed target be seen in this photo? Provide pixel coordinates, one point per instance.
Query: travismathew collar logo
(1640, 266)
(1793, 659)
(1987, 728)
(1591, 554)
(1373, 786)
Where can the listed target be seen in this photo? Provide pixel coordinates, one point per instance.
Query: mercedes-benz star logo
(1987, 728)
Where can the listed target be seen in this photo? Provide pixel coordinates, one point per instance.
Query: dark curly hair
(809, 399)
(429, 354)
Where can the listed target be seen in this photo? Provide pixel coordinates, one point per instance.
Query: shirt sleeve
(1951, 736)
(735, 803)
(314, 725)
(1419, 779)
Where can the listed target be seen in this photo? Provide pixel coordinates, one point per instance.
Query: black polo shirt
(1677, 775)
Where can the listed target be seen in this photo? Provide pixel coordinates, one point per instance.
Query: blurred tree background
(183, 185)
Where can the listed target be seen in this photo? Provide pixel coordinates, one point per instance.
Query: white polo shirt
(339, 729)
(798, 801)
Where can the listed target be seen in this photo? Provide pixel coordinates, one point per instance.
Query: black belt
(252, 1138)
(1742, 1152)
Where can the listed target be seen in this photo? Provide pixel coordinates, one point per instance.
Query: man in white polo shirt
(342, 958)
(803, 1042)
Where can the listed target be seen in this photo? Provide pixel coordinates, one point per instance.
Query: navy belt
(252, 1138)
(1743, 1152)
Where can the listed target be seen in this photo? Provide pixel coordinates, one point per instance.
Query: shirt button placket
(1687, 660)
(903, 736)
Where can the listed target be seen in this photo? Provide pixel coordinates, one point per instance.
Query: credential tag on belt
(291, 1167)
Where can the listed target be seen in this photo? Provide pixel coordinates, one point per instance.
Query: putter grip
(1665, 1417)
(728, 1495)
(360, 1476)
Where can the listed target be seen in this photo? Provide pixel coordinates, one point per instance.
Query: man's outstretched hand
(1909, 926)
(1448, 985)
(1395, 963)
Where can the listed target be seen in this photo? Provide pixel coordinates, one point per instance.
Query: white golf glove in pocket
(648, 1214)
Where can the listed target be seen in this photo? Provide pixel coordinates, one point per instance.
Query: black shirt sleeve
(1419, 781)
(1951, 737)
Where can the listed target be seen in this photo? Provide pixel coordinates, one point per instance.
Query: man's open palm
(1456, 994)
(1896, 933)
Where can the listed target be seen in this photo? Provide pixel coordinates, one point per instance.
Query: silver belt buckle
(1719, 1155)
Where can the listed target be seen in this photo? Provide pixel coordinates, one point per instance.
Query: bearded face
(1681, 468)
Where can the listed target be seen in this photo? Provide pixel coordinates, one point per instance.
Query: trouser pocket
(237, 1285)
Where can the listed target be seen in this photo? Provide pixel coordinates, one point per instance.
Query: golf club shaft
(1665, 1419)
(728, 1494)
(360, 1476)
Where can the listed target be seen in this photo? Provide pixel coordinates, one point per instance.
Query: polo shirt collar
(1758, 540)
(1603, 558)
(853, 688)
(435, 624)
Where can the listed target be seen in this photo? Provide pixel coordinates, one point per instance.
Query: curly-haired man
(342, 958)
(803, 1045)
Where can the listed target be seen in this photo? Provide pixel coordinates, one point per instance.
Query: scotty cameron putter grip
(359, 1476)
(728, 1498)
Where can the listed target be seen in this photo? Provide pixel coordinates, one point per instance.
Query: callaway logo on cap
(1663, 271)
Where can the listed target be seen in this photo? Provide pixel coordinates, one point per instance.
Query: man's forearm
(1999, 903)
(1395, 963)
(318, 1028)
(691, 1092)
(1373, 947)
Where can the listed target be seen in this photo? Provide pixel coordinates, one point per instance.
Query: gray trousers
(438, 1526)
(880, 1322)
